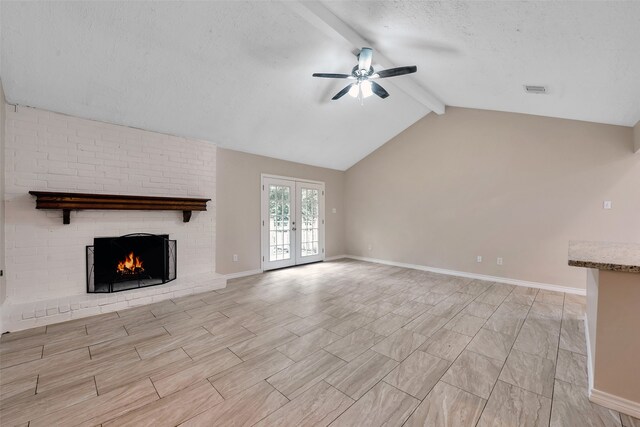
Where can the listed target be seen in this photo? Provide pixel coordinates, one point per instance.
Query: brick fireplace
(45, 268)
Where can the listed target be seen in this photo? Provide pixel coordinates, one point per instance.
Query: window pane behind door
(310, 209)
(279, 222)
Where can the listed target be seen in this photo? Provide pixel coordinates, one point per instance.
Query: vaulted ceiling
(239, 73)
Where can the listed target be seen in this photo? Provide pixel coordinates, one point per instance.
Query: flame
(131, 264)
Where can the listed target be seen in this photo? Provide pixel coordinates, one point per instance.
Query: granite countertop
(605, 256)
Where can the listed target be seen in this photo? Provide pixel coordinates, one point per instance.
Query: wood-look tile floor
(340, 343)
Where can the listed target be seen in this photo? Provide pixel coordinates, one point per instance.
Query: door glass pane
(310, 213)
(279, 222)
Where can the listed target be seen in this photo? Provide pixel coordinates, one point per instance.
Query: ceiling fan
(363, 74)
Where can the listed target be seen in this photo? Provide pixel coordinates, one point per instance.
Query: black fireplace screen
(130, 262)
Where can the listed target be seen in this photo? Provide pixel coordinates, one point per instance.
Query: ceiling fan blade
(342, 93)
(392, 72)
(379, 90)
(332, 75)
(364, 58)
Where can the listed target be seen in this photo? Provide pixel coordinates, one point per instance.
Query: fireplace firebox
(130, 262)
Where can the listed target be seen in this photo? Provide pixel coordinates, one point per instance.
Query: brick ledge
(19, 316)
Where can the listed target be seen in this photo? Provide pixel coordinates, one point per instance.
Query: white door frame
(289, 258)
(263, 210)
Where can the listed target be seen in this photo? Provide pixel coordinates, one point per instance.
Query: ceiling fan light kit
(363, 74)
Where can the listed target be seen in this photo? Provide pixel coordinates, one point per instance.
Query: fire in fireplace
(130, 262)
(130, 265)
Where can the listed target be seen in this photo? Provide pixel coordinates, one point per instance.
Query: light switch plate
(607, 204)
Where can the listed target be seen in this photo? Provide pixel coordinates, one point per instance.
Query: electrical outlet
(479, 258)
(334, 210)
(607, 204)
(235, 257)
(499, 261)
(369, 247)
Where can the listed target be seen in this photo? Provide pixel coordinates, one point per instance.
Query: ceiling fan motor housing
(357, 72)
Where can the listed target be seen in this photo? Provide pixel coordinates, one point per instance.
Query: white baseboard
(506, 280)
(616, 403)
(590, 360)
(242, 274)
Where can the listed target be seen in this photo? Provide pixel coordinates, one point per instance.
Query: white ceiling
(479, 54)
(239, 73)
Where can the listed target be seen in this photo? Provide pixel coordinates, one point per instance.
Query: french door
(292, 222)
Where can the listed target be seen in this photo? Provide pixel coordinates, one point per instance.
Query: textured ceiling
(479, 54)
(239, 73)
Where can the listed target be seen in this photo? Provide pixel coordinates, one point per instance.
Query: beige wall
(238, 206)
(593, 275)
(617, 339)
(636, 137)
(3, 287)
(476, 182)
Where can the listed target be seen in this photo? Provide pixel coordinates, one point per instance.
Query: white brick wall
(45, 260)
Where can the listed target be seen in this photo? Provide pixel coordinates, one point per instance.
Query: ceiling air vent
(535, 89)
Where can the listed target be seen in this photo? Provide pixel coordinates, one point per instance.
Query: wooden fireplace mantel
(78, 201)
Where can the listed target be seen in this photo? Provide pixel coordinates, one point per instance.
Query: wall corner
(3, 284)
